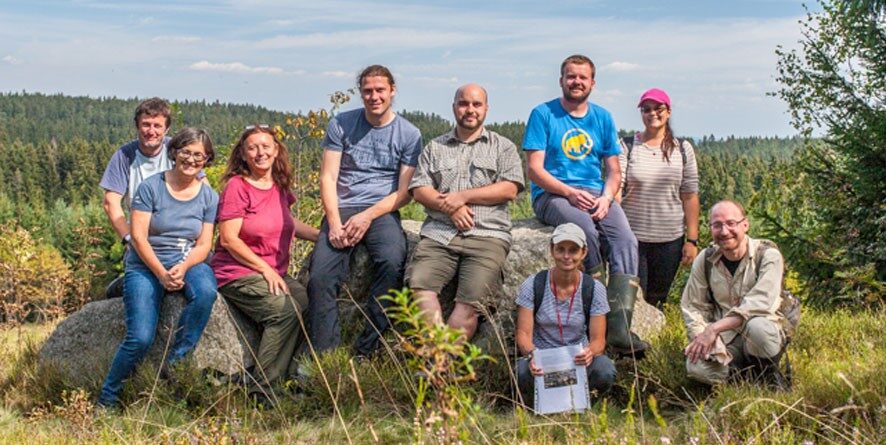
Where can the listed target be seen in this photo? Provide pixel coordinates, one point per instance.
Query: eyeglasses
(728, 224)
(253, 127)
(657, 110)
(196, 157)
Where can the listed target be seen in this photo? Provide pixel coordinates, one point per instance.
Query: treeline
(54, 148)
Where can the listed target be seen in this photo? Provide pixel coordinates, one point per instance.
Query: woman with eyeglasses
(251, 260)
(660, 196)
(171, 227)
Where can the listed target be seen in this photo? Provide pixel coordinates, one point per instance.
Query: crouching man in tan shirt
(731, 306)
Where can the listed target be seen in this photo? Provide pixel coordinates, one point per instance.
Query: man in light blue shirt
(569, 142)
(369, 156)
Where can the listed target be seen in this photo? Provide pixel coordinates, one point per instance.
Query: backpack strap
(587, 297)
(682, 150)
(538, 289)
(587, 293)
(629, 145)
(708, 266)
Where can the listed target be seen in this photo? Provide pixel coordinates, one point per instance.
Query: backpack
(790, 304)
(629, 144)
(587, 293)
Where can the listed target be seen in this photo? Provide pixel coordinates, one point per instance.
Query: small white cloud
(176, 39)
(621, 66)
(389, 38)
(438, 80)
(235, 67)
(281, 22)
(337, 74)
(11, 60)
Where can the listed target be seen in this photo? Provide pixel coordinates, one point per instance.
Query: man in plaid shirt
(465, 179)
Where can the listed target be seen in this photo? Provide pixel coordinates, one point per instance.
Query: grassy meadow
(838, 397)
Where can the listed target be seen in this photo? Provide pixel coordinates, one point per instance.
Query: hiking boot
(115, 288)
(621, 294)
(768, 371)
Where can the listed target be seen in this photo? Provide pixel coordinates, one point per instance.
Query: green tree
(835, 82)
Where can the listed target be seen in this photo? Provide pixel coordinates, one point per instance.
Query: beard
(467, 125)
(569, 97)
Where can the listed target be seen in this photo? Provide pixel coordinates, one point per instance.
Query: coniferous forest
(820, 195)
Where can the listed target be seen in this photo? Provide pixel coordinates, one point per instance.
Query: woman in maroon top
(252, 255)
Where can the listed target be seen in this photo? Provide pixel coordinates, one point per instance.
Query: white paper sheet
(564, 385)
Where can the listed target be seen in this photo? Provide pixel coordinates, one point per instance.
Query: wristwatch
(127, 238)
(530, 354)
(694, 242)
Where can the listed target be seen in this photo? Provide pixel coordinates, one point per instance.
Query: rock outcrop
(83, 345)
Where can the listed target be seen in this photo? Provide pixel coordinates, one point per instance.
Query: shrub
(34, 277)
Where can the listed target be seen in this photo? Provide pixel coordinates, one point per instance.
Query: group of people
(633, 202)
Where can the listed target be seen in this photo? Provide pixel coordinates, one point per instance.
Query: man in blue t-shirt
(569, 142)
(131, 164)
(369, 156)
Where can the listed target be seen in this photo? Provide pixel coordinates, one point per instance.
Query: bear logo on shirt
(576, 144)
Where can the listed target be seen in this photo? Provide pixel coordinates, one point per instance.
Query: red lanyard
(557, 307)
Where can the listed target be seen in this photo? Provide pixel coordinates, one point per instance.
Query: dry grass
(838, 398)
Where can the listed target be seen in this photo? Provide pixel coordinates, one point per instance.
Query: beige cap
(569, 232)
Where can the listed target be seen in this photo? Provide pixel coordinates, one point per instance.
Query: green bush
(34, 278)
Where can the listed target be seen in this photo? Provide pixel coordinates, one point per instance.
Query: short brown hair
(578, 59)
(375, 70)
(188, 136)
(153, 107)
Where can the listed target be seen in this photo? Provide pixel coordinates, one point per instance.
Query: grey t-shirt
(175, 225)
(371, 156)
(129, 167)
(546, 332)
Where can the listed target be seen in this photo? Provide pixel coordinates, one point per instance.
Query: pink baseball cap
(655, 95)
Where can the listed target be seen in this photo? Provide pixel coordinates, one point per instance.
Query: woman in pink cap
(660, 196)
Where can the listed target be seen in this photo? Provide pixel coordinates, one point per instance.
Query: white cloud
(337, 74)
(235, 67)
(384, 38)
(437, 80)
(278, 22)
(621, 66)
(176, 39)
(11, 60)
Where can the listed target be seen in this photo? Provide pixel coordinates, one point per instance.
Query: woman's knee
(601, 374)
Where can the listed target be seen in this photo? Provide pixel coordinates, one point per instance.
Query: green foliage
(444, 362)
(33, 276)
(832, 215)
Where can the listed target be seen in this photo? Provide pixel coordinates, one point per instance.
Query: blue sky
(716, 59)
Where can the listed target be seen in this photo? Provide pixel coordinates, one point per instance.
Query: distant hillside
(55, 147)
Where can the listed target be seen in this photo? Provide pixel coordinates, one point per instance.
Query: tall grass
(838, 397)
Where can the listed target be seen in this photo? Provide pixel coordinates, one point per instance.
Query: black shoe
(768, 371)
(637, 351)
(115, 288)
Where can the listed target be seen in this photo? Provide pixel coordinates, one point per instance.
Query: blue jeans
(142, 298)
(601, 377)
(614, 229)
(330, 267)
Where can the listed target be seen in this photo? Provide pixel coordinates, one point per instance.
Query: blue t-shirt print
(575, 147)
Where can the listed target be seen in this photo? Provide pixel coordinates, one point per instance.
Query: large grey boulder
(529, 254)
(82, 346)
